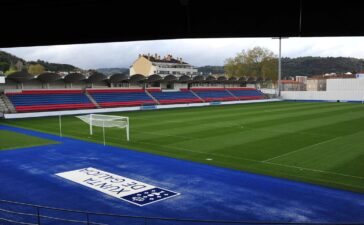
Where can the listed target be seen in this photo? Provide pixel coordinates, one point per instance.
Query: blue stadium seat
(120, 97)
(40, 100)
(175, 97)
(214, 94)
(246, 93)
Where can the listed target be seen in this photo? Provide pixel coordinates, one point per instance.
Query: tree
(19, 65)
(4, 66)
(253, 62)
(10, 71)
(35, 69)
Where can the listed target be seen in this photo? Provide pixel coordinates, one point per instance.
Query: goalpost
(103, 121)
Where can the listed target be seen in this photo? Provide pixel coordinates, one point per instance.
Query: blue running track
(207, 192)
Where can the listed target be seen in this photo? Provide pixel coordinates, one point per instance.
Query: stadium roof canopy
(198, 79)
(170, 78)
(49, 77)
(118, 77)
(72, 77)
(221, 79)
(243, 79)
(210, 79)
(181, 19)
(96, 76)
(137, 78)
(154, 78)
(251, 80)
(184, 79)
(20, 77)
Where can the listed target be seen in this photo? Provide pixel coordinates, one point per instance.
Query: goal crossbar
(103, 121)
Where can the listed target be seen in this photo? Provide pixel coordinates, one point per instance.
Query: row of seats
(121, 97)
(174, 97)
(26, 101)
(214, 94)
(246, 93)
(41, 100)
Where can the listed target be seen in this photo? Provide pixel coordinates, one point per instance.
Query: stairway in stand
(197, 96)
(92, 100)
(5, 105)
(150, 95)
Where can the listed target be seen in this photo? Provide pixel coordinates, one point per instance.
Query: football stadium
(209, 154)
(264, 138)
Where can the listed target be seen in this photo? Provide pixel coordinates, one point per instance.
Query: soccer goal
(103, 121)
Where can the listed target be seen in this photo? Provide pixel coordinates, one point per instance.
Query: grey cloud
(198, 52)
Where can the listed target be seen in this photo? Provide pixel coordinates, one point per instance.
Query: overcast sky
(198, 52)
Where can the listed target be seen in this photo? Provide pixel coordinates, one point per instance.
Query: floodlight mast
(279, 64)
(279, 67)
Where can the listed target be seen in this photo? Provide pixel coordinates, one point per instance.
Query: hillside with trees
(309, 66)
(10, 64)
(207, 70)
(252, 62)
(262, 62)
(257, 61)
(55, 67)
(111, 71)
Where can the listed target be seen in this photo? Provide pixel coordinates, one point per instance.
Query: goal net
(99, 120)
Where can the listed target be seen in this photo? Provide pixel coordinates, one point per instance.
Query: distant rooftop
(166, 59)
(332, 76)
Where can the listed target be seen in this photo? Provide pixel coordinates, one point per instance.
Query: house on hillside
(292, 85)
(301, 79)
(153, 64)
(316, 84)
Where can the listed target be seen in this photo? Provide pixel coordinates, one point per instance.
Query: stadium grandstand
(166, 145)
(23, 92)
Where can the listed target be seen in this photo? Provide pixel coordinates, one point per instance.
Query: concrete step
(92, 100)
(150, 95)
(232, 94)
(8, 105)
(197, 96)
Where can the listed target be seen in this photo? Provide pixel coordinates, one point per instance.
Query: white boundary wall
(345, 84)
(324, 95)
(336, 90)
(269, 91)
(126, 109)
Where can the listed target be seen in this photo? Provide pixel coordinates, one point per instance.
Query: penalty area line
(256, 161)
(314, 170)
(301, 149)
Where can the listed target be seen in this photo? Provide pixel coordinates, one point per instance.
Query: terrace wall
(341, 96)
(125, 109)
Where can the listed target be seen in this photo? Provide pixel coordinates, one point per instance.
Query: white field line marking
(165, 135)
(315, 170)
(257, 161)
(281, 131)
(234, 112)
(301, 149)
(246, 159)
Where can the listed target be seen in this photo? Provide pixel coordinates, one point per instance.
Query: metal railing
(39, 217)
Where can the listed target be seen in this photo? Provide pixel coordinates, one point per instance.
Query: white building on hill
(153, 64)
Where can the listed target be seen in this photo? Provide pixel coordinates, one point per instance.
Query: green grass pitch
(12, 140)
(320, 143)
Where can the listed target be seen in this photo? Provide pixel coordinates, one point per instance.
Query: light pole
(279, 64)
(279, 67)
